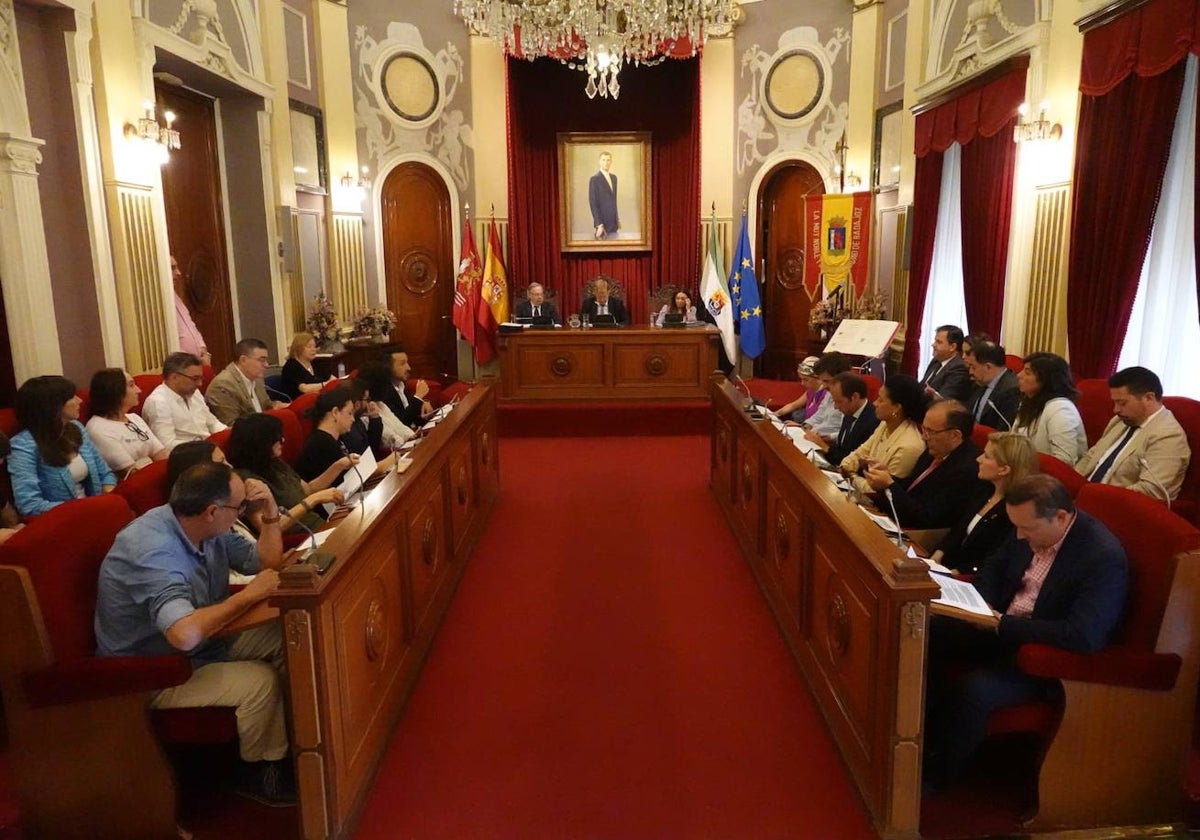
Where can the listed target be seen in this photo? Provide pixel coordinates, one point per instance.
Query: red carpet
(600, 419)
(609, 670)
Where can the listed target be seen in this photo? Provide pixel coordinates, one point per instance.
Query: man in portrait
(602, 198)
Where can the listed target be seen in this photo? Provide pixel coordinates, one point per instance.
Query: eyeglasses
(239, 508)
(137, 430)
(925, 430)
(198, 378)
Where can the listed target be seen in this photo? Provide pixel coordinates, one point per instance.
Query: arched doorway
(781, 246)
(418, 264)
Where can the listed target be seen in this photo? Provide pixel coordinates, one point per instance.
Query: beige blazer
(898, 451)
(1161, 443)
(228, 398)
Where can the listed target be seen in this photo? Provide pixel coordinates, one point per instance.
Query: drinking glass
(573, 321)
(587, 321)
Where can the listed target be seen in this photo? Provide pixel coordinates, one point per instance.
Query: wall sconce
(1039, 129)
(161, 138)
(853, 181)
(363, 182)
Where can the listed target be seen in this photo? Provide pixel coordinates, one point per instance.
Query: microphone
(362, 485)
(278, 396)
(1000, 414)
(321, 559)
(749, 402)
(1149, 476)
(895, 518)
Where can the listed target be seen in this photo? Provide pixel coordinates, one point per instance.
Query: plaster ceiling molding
(402, 94)
(221, 35)
(791, 89)
(969, 36)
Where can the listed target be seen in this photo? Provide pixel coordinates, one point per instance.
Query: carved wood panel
(426, 553)
(784, 545)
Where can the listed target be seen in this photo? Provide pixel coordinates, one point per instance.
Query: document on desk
(796, 433)
(883, 522)
(960, 595)
(353, 478)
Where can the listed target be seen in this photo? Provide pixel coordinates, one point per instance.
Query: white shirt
(175, 420)
(120, 444)
(249, 388)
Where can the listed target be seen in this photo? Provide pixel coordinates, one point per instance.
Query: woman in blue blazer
(53, 459)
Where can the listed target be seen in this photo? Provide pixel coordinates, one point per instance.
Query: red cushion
(147, 488)
(8, 422)
(1063, 471)
(221, 439)
(62, 550)
(774, 393)
(452, 391)
(1187, 412)
(1116, 665)
(208, 373)
(207, 725)
(293, 433)
(1152, 536)
(85, 405)
(1095, 407)
(97, 677)
(1014, 363)
(147, 382)
(979, 435)
(302, 407)
(873, 386)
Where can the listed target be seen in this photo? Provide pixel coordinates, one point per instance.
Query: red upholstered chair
(77, 723)
(208, 373)
(85, 404)
(147, 488)
(1063, 471)
(8, 422)
(873, 386)
(1013, 363)
(1095, 407)
(1187, 412)
(147, 382)
(454, 390)
(293, 433)
(221, 439)
(1119, 754)
(302, 407)
(979, 435)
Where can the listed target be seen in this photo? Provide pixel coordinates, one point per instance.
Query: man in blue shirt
(164, 588)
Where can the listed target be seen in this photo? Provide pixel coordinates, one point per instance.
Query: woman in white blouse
(123, 438)
(896, 443)
(1047, 413)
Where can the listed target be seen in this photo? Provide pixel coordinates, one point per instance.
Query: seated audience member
(366, 432)
(601, 302)
(124, 440)
(190, 339)
(1061, 580)
(10, 521)
(848, 393)
(970, 342)
(947, 377)
(409, 411)
(681, 304)
(826, 420)
(187, 455)
(1143, 447)
(896, 443)
(537, 306)
(946, 476)
(1006, 459)
(239, 390)
(334, 414)
(53, 459)
(993, 400)
(256, 449)
(176, 411)
(376, 377)
(1047, 411)
(164, 588)
(298, 375)
(810, 399)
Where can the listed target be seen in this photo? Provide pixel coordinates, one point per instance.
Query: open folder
(353, 478)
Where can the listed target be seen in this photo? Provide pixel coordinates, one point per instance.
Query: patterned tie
(1097, 476)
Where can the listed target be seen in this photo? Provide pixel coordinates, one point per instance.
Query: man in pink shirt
(190, 339)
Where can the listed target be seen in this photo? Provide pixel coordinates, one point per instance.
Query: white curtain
(944, 301)
(1164, 331)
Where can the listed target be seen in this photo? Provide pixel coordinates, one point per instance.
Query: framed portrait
(889, 123)
(308, 147)
(604, 191)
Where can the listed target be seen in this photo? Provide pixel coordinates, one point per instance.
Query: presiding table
(605, 363)
(356, 636)
(853, 608)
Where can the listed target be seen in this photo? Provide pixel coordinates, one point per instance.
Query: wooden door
(195, 220)
(418, 262)
(781, 247)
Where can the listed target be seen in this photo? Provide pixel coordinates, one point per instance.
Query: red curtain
(981, 121)
(545, 98)
(927, 189)
(1121, 155)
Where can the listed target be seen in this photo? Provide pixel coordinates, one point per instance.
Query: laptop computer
(672, 319)
(604, 321)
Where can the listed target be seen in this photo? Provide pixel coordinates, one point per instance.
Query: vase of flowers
(872, 307)
(825, 316)
(374, 323)
(322, 322)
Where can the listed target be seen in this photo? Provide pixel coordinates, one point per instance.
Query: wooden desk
(852, 608)
(623, 363)
(356, 637)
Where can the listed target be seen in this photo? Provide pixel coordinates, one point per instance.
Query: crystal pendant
(590, 90)
(603, 85)
(613, 87)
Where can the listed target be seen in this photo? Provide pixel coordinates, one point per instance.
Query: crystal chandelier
(597, 36)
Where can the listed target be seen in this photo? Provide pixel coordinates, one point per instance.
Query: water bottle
(341, 370)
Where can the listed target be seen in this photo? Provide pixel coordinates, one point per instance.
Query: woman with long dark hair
(256, 450)
(896, 443)
(1047, 412)
(123, 438)
(53, 459)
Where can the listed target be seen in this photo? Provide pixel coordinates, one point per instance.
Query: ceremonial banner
(714, 294)
(839, 240)
(466, 288)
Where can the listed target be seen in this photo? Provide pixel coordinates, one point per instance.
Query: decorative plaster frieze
(8, 41)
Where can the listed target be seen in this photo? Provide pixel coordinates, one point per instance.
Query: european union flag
(743, 286)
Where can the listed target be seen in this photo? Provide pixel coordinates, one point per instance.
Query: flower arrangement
(322, 320)
(826, 314)
(373, 322)
(871, 307)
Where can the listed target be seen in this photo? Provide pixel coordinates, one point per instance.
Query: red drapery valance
(1147, 41)
(976, 113)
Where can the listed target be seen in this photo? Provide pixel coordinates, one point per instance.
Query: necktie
(602, 309)
(847, 425)
(929, 374)
(1098, 474)
(537, 312)
(937, 462)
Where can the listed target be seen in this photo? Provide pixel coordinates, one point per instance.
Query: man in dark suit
(1060, 580)
(947, 376)
(946, 477)
(849, 394)
(995, 397)
(602, 199)
(536, 305)
(603, 303)
(410, 410)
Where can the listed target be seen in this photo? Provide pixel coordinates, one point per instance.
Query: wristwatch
(270, 520)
